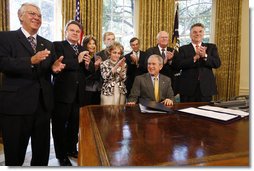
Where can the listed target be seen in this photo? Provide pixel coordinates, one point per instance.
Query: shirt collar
(194, 45)
(152, 77)
(27, 34)
(160, 48)
(72, 44)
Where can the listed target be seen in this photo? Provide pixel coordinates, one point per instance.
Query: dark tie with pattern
(32, 41)
(163, 53)
(75, 48)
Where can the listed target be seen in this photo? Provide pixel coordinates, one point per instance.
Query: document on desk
(225, 110)
(209, 114)
(145, 109)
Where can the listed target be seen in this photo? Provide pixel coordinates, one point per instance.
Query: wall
(245, 55)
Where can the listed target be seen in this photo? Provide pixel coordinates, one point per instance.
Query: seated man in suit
(136, 63)
(152, 85)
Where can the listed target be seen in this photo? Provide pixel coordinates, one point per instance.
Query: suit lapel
(67, 45)
(23, 40)
(149, 84)
(157, 50)
(40, 44)
(191, 49)
(162, 85)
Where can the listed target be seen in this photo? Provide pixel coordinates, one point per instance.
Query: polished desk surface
(122, 136)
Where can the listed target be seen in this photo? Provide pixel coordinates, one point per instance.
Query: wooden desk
(122, 136)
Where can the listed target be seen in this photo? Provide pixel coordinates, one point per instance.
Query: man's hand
(82, 55)
(40, 56)
(202, 51)
(169, 55)
(58, 65)
(134, 58)
(196, 57)
(167, 102)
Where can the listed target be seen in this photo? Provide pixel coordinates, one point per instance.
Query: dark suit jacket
(103, 54)
(143, 88)
(70, 82)
(19, 93)
(199, 72)
(168, 69)
(133, 70)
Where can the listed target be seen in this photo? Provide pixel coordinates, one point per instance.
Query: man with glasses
(26, 97)
(166, 53)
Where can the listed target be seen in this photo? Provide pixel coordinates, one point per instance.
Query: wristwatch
(205, 57)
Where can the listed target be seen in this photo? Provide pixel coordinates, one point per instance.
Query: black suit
(69, 88)
(26, 98)
(133, 70)
(197, 78)
(103, 54)
(168, 69)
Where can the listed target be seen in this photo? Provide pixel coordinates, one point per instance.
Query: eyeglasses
(33, 14)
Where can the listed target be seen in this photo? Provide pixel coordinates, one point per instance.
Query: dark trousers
(65, 125)
(196, 97)
(18, 129)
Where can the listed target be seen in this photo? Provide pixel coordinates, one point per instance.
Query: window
(193, 11)
(118, 17)
(50, 25)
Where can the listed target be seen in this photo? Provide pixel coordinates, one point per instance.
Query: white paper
(225, 110)
(209, 114)
(144, 109)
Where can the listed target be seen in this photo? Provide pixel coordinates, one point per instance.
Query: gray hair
(158, 57)
(22, 9)
(159, 34)
(113, 46)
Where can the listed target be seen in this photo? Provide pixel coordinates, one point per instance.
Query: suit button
(77, 82)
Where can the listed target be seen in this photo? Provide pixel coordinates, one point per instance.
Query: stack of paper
(215, 112)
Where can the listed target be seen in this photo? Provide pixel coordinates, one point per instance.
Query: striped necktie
(32, 41)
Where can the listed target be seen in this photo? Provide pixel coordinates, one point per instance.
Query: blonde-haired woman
(113, 72)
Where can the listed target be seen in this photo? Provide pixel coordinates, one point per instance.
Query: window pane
(118, 17)
(49, 24)
(191, 12)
